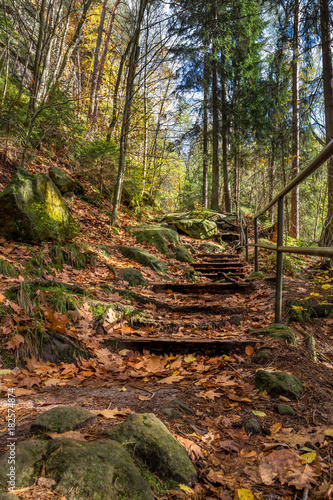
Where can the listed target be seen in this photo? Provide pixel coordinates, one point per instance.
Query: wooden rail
(317, 162)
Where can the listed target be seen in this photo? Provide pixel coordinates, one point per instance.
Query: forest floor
(204, 400)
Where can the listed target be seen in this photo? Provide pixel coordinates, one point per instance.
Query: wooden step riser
(217, 266)
(200, 288)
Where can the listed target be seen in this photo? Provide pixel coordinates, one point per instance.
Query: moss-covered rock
(190, 248)
(279, 384)
(183, 255)
(149, 440)
(256, 276)
(96, 470)
(210, 247)
(144, 258)
(262, 356)
(63, 419)
(62, 180)
(27, 455)
(32, 209)
(252, 427)
(156, 235)
(201, 229)
(285, 410)
(278, 332)
(133, 276)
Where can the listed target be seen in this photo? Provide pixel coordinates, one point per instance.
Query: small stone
(285, 410)
(62, 419)
(252, 427)
(262, 356)
(171, 413)
(278, 384)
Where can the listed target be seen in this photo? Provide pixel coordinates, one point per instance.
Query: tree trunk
(327, 234)
(205, 134)
(133, 62)
(226, 180)
(294, 215)
(216, 168)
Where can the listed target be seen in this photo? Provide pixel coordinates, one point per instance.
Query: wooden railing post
(279, 261)
(247, 243)
(256, 250)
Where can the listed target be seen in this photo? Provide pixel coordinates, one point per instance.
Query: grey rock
(149, 440)
(279, 384)
(63, 419)
(252, 427)
(285, 410)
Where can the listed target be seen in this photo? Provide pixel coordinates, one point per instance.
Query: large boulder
(144, 258)
(63, 419)
(32, 209)
(26, 454)
(156, 235)
(62, 180)
(148, 439)
(96, 470)
(201, 229)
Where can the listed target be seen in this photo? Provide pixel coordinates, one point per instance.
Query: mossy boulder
(156, 235)
(258, 275)
(149, 440)
(210, 247)
(201, 229)
(63, 419)
(279, 384)
(278, 332)
(94, 471)
(32, 209)
(133, 276)
(144, 258)
(183, 255)
(62, 180)
(27, 455)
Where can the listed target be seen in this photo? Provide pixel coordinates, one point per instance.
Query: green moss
(70, 254)
(304, 310)
(183, 255)
(159, 236)
(144, 258)
(133, 277)
(279, 332)
(7, 269)
(7, 358)
(192, 274)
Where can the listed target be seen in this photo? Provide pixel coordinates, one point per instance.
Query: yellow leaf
(259, 413)
(297, 308)
(124, 352)
(185, 488)
(326, 287)
(123, 389)
(177, 372)
(328, 432)
(243, 494)
(275, 428)
(144, 398)
(190, 358)
(308, 458)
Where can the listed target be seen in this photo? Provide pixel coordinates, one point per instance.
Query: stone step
(201, 288)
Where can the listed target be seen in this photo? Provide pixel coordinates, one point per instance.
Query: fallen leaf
(194, 450)
(15, 341)
(249, 350)
(211, 394)
(243, 494)
(113, 413)
(170, 380)
(301, 478)
(308, 458)
(259, 413)
(275, 428)
(69, 434)
(215, 477)
(190, 358)
(47, 482)
(185, 488)
(145, 398)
